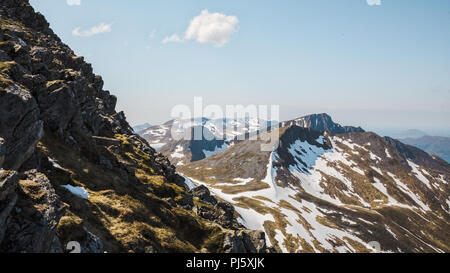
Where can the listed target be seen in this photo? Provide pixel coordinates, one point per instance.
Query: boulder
(203, 194)
(245, 241)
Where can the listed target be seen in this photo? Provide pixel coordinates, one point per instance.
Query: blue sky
(384, 67)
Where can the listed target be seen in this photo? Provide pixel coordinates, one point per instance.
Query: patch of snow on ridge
(377, 170)
(156, 132)
(157, 146)
(406, 190)
(178, 153)
(310, 180)
(242, 180)
(387, 153)
(419, 174)
(78, 191)
(380, 187)
(54, 164)
(189, 183)
(306, 152)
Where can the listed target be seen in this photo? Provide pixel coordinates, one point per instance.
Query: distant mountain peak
(412, 133)
(321, 122)
(141, 127)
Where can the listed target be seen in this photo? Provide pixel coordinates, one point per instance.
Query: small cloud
(74, 2)
(215, 28)
(101, 28)
(152, 34)
(373, 2)
(174, 38)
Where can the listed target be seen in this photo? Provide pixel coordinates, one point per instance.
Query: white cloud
(73, 2)
(174, 38)
(215, 28)
(152, 34)
(374, 2)
(101, 28)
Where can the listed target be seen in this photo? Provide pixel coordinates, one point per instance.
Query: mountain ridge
(213, 140)
(320, 192)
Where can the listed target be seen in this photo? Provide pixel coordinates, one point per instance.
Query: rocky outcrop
(246, 242)
(208, 207)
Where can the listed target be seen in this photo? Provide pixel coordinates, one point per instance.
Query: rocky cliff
(72, 169)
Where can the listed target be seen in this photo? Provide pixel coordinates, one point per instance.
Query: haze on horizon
(383, 65)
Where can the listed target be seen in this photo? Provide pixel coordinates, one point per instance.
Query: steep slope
(435, 145)
(323, 192)
(72, 169)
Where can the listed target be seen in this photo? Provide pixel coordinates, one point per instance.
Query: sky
(380, 64)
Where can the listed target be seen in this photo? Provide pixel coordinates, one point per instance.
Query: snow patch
(419, 174)
(54, 164)
(178, 153)
(78, 191)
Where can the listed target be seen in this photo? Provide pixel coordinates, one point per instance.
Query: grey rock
(56, 246)
(106, 163)
(8, 198)
(92, 243)
(203, 194)
(33, 229)
(2, 151)
(20, 126)
(58, 107)
(245, 241)
(4, 57)
(8, 183)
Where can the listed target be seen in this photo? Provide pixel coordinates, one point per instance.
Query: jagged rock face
(321, 122)
(20, 126)
(322, 192)
(75, 170)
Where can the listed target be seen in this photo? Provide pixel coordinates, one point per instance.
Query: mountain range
(326, 187)
(215, 137)
(326, 192)
(437, 145)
